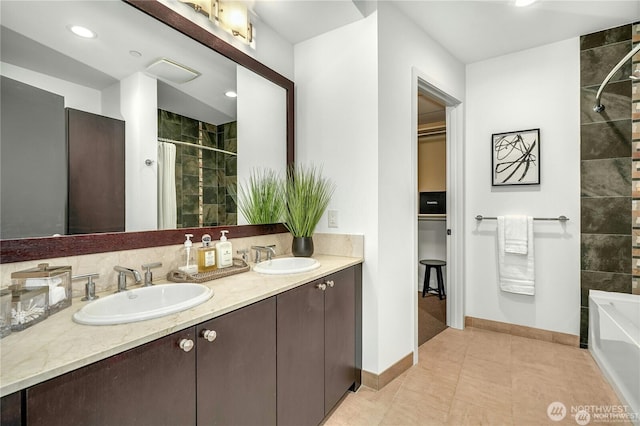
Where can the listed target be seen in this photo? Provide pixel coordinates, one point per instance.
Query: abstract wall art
(515, 158)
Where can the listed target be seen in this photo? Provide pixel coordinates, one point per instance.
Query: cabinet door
(153, 384)
(236, 380)
(339, 336)
(301, 356)
(96, 151)
(11, 409)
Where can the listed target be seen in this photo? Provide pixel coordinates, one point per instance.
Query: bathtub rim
(600, 298)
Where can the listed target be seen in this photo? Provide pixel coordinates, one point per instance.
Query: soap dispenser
(224, 251)
(206, 255)
(189, 265)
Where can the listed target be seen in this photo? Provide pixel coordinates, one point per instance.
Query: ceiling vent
(172, 72)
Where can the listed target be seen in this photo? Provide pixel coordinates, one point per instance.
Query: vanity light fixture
(81, 31)
(524, 3)
(231, 94)
(232, 16)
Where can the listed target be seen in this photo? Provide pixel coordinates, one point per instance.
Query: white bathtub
(614, 342)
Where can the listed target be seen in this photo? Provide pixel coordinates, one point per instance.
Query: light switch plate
(332, 218)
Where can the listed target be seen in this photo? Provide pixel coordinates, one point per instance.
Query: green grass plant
(308, 194)
(261, 199)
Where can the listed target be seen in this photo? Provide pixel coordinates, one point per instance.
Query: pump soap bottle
(225, 251)
(189, 266)
(206, 255)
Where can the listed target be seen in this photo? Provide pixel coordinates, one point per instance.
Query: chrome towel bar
(559, 218)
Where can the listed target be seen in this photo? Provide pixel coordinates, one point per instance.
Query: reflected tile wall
(205, 179)
(608, 169)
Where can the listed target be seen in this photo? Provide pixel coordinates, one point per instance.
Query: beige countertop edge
(58, 345)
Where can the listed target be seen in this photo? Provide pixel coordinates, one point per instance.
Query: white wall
(139, 108)
(75, 96)
(402, 47)
(536, 88)
(354, 113)
(262, 126)
(336, 128)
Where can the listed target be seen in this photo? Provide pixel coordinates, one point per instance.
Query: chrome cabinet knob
(322, 286)
(209, 335)
(330, 283)
(186, 344)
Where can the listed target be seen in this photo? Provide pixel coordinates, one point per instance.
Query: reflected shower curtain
(167, 209)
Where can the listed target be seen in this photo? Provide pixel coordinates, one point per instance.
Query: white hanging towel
(515, 270)
(516, 234)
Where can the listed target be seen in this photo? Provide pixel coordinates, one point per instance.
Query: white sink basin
(142, 304)
(287, 265)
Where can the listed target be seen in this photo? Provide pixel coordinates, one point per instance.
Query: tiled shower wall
(608, 173)
(205, 180)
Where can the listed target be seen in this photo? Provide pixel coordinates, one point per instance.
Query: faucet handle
(257, 249)
(89, 287)
(148, 275)
(271, 251)
(244, 253)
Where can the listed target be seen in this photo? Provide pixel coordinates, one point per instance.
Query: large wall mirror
(165, 78)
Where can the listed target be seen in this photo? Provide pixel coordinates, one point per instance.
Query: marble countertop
(58, 345)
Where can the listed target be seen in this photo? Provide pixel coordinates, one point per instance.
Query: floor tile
(482, 377)
(463, 413)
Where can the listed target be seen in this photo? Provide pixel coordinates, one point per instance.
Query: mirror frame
(26, 249)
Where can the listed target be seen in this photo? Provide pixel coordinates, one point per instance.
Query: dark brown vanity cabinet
(316, 347)
(153, 384)
(284, 360)
(236, 383)
(221, 372)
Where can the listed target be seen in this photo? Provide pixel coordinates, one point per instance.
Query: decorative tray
(239, 266)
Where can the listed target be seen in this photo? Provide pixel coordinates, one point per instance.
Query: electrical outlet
(332, 218)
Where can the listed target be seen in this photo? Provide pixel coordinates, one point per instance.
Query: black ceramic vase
(302, 246)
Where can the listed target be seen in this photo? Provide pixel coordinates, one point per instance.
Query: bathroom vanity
(264, 350)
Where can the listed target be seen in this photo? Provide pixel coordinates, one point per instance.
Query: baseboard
(523, 331)
(378, 381)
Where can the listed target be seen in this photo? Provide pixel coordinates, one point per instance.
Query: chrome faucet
(269, 249)
(122, 276)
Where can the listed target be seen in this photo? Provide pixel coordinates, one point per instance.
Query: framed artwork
(515, 158)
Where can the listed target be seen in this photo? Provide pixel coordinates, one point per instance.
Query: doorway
(453, 274)
(432, 216)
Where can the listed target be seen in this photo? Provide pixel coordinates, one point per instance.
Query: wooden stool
(437, 264)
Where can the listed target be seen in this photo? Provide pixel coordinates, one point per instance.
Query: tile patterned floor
(479, 377)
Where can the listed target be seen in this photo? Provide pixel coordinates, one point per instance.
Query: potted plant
(308, 194)
(261, 199)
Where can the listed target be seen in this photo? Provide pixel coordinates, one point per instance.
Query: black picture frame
(515, 158)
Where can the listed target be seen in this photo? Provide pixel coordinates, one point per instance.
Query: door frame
(455, 198)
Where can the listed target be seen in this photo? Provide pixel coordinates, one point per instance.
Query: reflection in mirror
(164, 86)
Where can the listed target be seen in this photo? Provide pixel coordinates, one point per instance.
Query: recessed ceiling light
(231, 94)
(524, 3)
(135, 53)
(81, 31)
